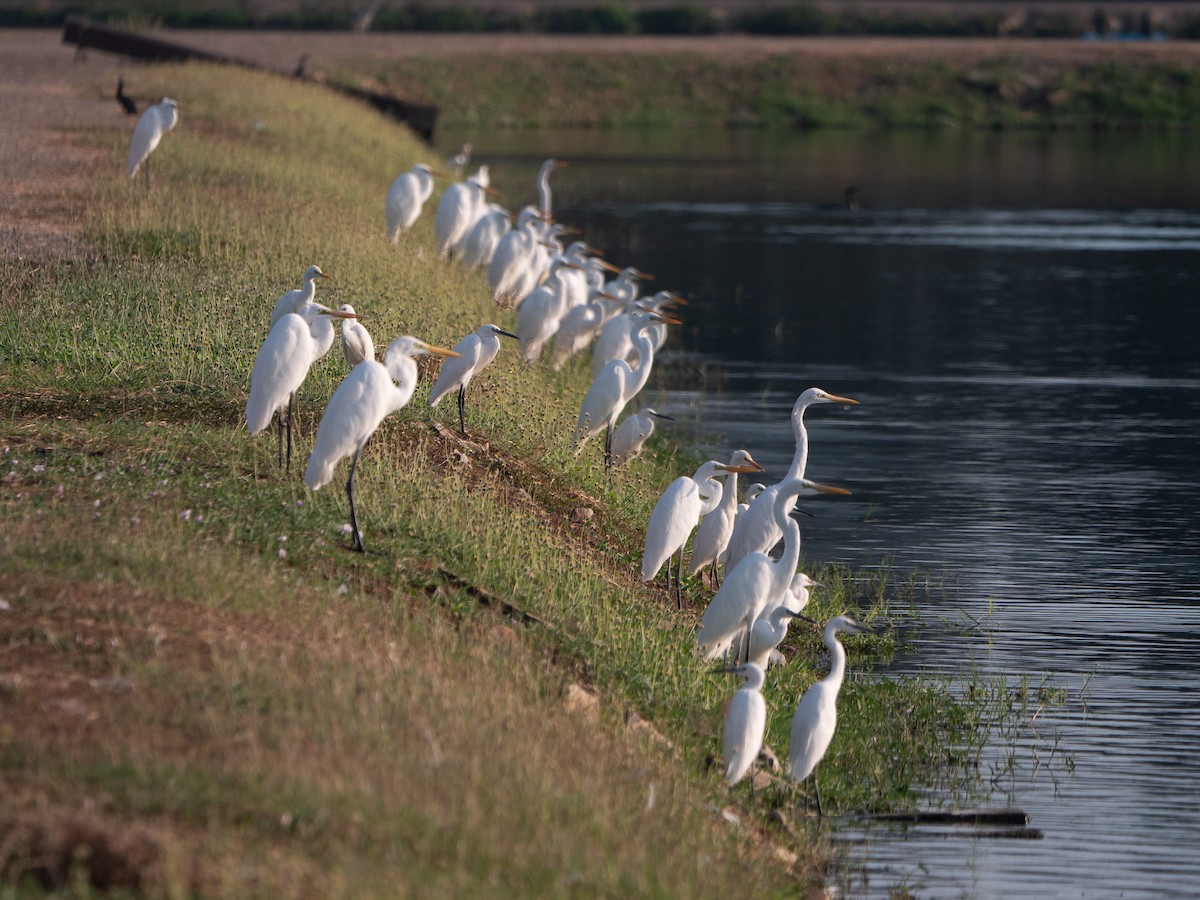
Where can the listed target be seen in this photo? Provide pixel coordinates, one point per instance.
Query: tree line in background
(628, 18)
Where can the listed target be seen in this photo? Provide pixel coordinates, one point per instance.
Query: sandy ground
(47, 94)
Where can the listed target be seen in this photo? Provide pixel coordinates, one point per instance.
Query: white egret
(580, 325)
(295, 300)
(540, 312)
(296, 342)
(457, 212)
(514, 253)
(615, 385)
(757, 579)
(471, 356)
(752, 493)
(631, 434)
(757, 530)
(771, 627)
(679, 509)
(713, 534)
(356, 340)
(156, 121)
(460, 159)
(816, 715)
(370, 392)
(543, 184)
(406, 197)
(615, 340)
(745, 724)
(480, 243)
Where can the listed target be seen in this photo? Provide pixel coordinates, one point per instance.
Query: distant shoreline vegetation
(1131, 22)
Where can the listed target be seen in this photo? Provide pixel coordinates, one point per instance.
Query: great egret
(615, 340)
(679, 509)
(745, 723)
(631, 434)
(156, 121)
(460, 159)
(294, 344)
(713, 534)
(356, 340)
(480, 243)
(295, 300)
(543, 184)
(514, 253)
(757, 579)
(457, 212)
(771, 627)
(615, 385)
(540, 312)
(580, 325)
(472, 355)
(757, 530)
(127, 102)
(816, 715)
(370, 392)
(406, 197)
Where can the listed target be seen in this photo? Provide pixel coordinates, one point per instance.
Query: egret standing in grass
(295, 300)
(757, 529)
(816, 715)
(153, 124)
(472, 354)
(713, 534)
(632, 434)
(406, 197)
(543, 184)
(369, 393)
(296, 342)
(615, 385)
(745, 724)
(679, 509)
(757, 580)
(771, 626)
(356, 340)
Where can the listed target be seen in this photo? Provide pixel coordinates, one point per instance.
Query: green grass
(289, 717)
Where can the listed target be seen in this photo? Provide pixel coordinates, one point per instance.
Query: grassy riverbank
(199, 675)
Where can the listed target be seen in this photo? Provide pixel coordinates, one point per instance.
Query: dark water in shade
(1020, 318)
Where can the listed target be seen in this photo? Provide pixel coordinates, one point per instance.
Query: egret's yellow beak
(826, 489)
(437, 351)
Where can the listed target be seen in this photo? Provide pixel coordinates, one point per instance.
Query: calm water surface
(1018, 316)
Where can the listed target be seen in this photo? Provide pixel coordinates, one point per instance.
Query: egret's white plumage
(632, 434)
(296, 299)
(540, 313)
(406, 197)
(480, 243)
(371, 391)
(815, 719)
(296, 342)
(457, 212)
(356, 340)
(756, 580)
(615, 385)
(156, 121)
(514, 254)
(580, 325)
(745, 724)
(682, 504)
(771, 627)
(713, 533)
(543, 184)
(756, 530)
(472, 355)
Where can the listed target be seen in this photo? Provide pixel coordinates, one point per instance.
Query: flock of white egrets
(560, 294)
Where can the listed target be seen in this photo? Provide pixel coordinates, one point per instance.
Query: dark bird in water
(124, 99)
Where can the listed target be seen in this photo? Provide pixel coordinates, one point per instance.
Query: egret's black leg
(462, 402)
(291, 403)
(817, 789)
(279, 433)
(608, 457)
(679, 580)
(358, 546)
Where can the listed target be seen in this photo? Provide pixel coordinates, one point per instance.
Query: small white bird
(543, 184)
(713, 534)
(296, 342)
(745, 723)
(406, 197)
(457, 212)
(460, 159)
(472, 354)
(540, 312)
(632, 434)
(679, 509)
(295, 300)
(816, 715)
(356, 340)
(156, 121)
(371, 391)
(771, 626)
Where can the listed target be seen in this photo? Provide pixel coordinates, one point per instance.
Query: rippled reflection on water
(1019, 318)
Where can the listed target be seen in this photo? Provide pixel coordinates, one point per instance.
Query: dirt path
(46, 93)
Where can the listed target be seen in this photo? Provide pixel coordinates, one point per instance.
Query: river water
(1018, 316)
